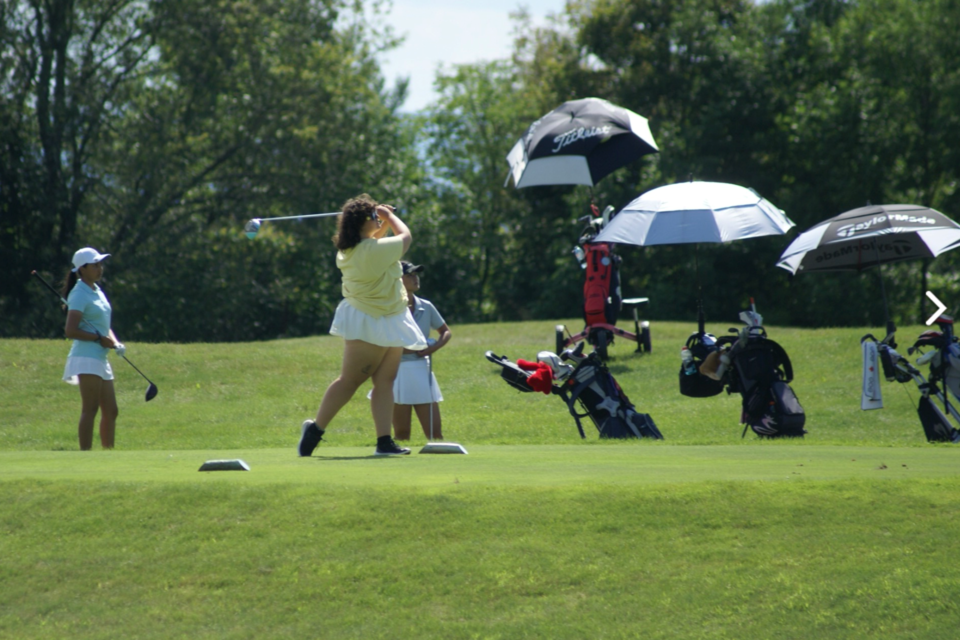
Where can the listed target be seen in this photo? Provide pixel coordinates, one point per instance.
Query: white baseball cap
(87, 255)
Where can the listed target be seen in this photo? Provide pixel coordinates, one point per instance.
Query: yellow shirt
(371, 276)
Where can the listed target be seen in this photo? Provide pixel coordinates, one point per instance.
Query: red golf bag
(601, 287)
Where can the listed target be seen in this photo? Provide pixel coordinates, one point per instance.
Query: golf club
(437, 447)
(152, 389)
(252, 228)
(430, 386)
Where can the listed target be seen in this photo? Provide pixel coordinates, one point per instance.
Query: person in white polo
(88, 325)
(416, 387)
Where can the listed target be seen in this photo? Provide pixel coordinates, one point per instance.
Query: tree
(62, 65)
(178, 121)
(510, 249)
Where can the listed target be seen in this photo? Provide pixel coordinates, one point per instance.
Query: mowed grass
(848, 533)
(714, 559)
(255, 395)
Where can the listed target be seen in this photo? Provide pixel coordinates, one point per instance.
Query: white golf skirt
(399, 330)
(77, 365)
(411, 385)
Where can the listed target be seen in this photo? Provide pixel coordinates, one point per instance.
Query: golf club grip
(47, 285)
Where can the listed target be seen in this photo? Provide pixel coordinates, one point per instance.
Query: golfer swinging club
(373, 319)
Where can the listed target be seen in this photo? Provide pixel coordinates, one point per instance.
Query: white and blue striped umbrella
(695, 212)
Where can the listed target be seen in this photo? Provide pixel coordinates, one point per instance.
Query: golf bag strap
(940, 373)
(566, 398)
(784, 360)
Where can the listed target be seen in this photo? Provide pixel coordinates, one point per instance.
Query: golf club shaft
(430, 387)
(48, 286)
(137, 370)
(309, 215)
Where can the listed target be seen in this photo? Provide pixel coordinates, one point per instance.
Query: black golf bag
(590, 385)
(693, 383)
(761, 372)
(757, 368)
(943, 383)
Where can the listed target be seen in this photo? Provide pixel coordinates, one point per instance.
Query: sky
(451, 32)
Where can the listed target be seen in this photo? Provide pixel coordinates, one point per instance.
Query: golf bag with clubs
(943, 383)
(602, 296)
(754, 366)
(586, 383)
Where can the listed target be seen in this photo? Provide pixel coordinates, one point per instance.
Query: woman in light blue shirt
(88, 325)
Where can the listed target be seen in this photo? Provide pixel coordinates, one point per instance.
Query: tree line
(154, 130)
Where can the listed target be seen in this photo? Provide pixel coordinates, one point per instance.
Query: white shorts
(411, 386)
(77, 365)
(398, 330)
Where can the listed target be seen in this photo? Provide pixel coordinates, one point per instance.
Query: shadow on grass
(367, 457)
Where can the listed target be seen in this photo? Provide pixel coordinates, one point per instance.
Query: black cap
(409, 267)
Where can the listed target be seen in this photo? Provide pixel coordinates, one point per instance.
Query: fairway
(626, 466)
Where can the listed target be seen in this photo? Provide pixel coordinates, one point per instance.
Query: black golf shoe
(310, 437)
(387, 447)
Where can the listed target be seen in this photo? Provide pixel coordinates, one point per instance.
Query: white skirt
(77, 365)
(411, 386)
(398, 330)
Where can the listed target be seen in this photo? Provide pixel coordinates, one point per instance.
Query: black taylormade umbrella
(579, 142)
(869, 237)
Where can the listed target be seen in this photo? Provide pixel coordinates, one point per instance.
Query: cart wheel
(645, 337)
(602, 344)
(560, 340)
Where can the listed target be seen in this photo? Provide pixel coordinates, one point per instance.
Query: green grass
(502, 466)
(255, 395)
(848, 533)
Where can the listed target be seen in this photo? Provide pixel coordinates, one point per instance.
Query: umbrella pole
(891, 328)
(701, 321)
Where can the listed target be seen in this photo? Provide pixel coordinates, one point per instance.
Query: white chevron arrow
(940, 308)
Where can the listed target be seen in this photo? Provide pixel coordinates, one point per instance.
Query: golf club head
(252, 228)
(152, 392)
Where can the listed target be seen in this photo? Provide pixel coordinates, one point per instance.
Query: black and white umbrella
(579, 142)
(871, 236)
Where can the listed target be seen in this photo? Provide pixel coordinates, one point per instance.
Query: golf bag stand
(944, 378)
(760, 370)
(588, 384)
(602, 297)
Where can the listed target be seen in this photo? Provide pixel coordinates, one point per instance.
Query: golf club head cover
(542, 377)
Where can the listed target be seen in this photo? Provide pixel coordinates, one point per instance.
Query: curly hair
(353, 215)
